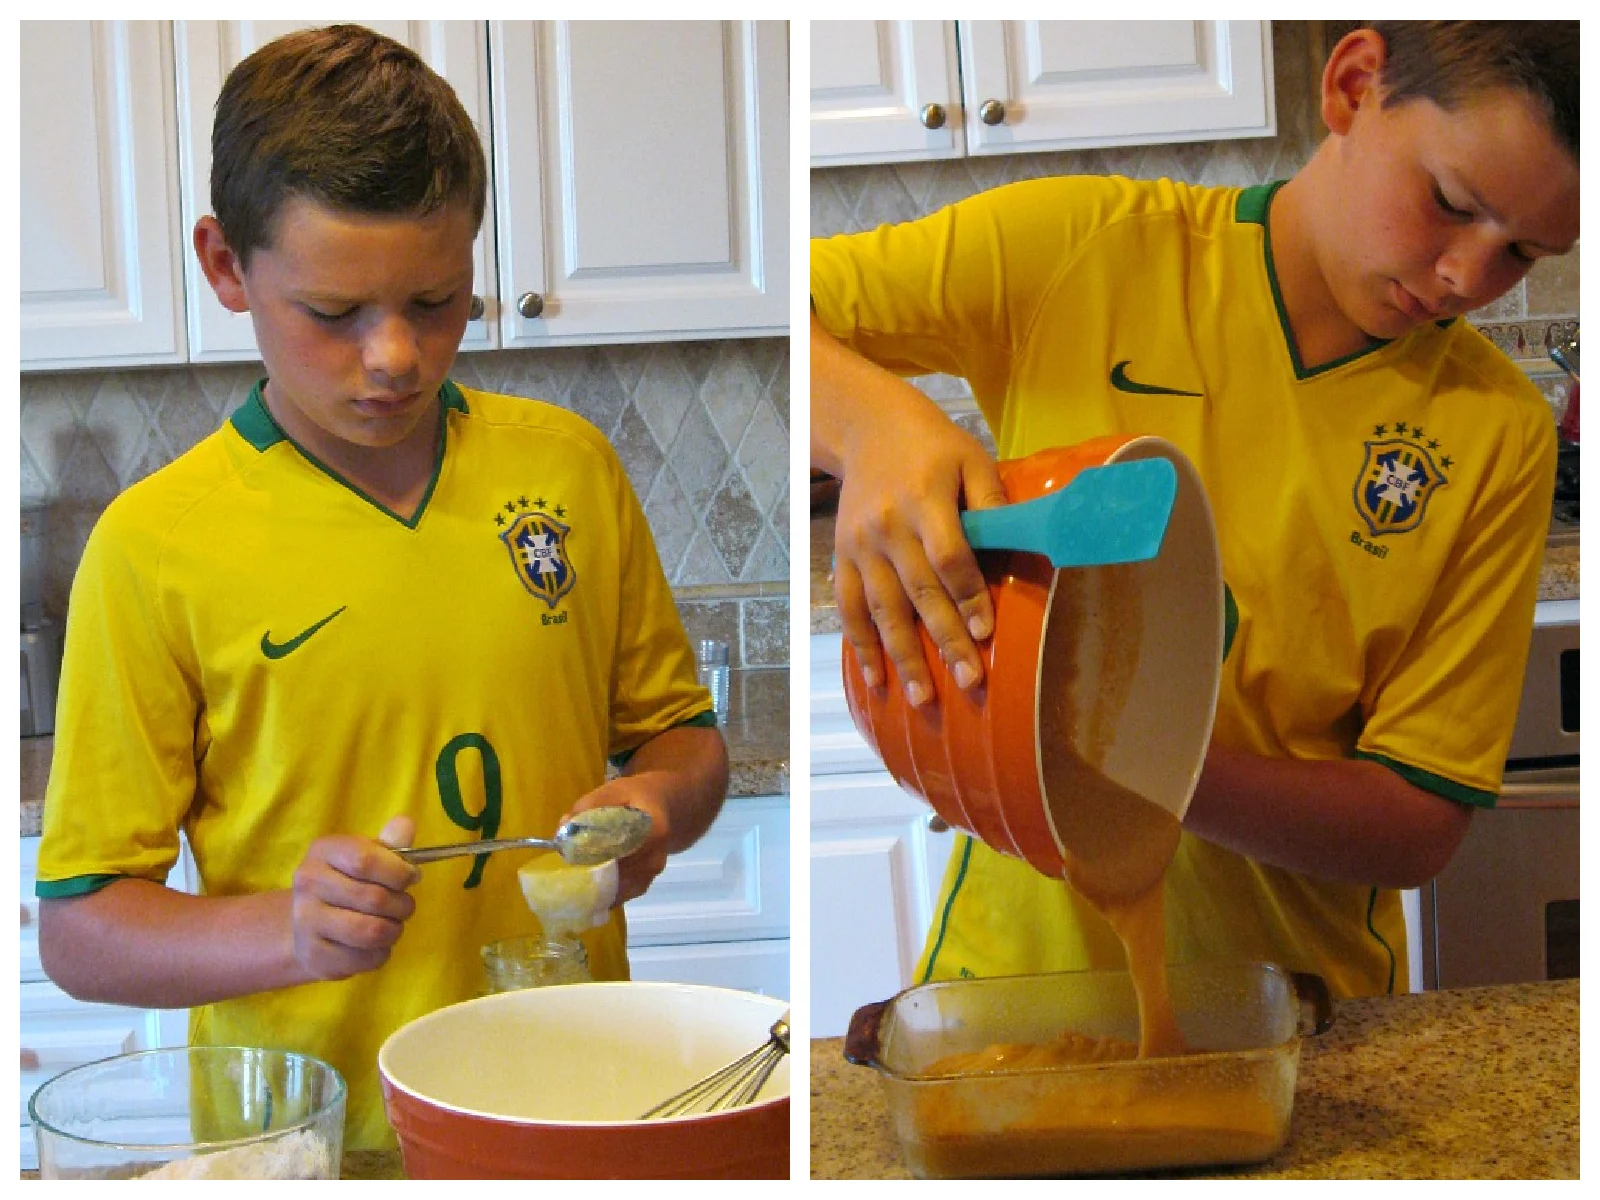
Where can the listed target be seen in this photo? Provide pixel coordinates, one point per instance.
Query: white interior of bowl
(1157, 742)
(579, 1053)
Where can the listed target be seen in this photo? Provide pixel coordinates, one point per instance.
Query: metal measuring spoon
(590, 837)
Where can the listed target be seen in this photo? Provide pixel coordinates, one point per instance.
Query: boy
(374, 603)
(1380, 476)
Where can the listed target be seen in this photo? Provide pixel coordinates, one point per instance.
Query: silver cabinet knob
(475, 309)
(992, 112)
(530, 304)
(933, 116)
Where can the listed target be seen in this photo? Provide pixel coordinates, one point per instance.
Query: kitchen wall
(1524, 322)
(701, 427)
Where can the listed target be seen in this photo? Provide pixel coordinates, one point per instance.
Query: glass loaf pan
(1228, 1103)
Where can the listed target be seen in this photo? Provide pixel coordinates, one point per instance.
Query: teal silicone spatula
(1117, 513)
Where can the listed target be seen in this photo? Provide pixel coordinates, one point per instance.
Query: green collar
(255, 423)
(1251, 209)
(260, 428)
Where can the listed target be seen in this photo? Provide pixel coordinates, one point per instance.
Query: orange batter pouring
(1117, 844)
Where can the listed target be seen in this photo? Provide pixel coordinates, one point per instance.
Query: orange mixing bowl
(547, 1083)
(1141, 644)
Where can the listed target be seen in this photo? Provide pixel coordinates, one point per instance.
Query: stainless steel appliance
(1506, 908)
(41, 669)
(41, 633)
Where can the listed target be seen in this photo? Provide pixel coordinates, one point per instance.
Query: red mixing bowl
(548, 1083)
(1141, 646)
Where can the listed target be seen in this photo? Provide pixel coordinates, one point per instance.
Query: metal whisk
(737, 1083)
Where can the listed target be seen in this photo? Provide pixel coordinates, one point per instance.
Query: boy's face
(1440, 212)
(358, 318)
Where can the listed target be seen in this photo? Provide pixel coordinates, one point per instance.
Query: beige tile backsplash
(702, 429)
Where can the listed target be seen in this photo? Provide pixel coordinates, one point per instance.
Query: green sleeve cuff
(1230, 619)
(1429, 782)
(78, 885)
(705, 720)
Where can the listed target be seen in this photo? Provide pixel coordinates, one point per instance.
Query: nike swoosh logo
(277, 650)
(1120, 381)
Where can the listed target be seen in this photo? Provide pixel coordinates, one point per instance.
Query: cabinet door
(207, 51)
(875, 874)
(884, 91)
(730, 886)
(1069, 85)
(641, 173)
(99, 265)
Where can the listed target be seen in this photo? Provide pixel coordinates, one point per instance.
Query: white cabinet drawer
(731, 885)
(837, 747)
(58, 1033)
(757, 966)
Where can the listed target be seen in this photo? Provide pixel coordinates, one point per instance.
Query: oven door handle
(1547, 793)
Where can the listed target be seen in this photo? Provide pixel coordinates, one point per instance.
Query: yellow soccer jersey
(1381, 520)
(260, 655)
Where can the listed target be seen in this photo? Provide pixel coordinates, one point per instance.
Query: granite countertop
(757, 733)
(1558, 580)
(1468, 1083)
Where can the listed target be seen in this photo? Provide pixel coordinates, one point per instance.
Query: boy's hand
(899, 549)
(900, 552)
(350, 901)
(638, 871)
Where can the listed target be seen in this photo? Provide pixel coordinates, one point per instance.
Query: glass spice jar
(525, 962)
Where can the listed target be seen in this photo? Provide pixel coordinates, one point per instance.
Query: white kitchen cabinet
(885, 91)
(206, 52)
(638, 182)
(1069, 85)
(641, 179)
(58, 1032)
(876, 865)
(101, 281)
(719, 913)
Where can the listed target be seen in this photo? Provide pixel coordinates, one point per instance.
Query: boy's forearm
(853, 400)
(140, 943)
(687, 770)
(1343, 819)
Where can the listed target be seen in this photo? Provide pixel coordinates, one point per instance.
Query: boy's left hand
(638, 871)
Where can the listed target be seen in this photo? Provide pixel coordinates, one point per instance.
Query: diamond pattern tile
(118, 423)
(641, 456)
(672, 521)
(734, 523)
(763, 457)
(700, 427)
(666, 381)
(730, 394)
(698, 456)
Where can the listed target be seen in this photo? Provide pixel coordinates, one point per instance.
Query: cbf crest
(538, 546)
(1398, 477)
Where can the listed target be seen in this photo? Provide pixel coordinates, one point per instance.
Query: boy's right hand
(900, 552)
(351, 902)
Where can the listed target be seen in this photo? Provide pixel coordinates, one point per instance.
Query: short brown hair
(1455, 62)
(343, 116)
